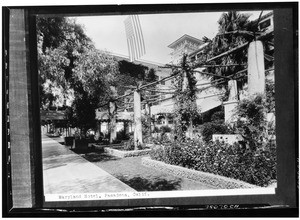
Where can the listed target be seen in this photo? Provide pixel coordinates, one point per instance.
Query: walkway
(66, 172)
(131, 171)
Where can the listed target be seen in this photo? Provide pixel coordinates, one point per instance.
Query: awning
(204, 104)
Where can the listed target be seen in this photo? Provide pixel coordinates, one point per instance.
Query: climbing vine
(185, 108)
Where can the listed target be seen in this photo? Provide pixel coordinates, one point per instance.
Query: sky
(159, 31)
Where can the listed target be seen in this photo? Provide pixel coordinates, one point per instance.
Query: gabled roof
(185, 37)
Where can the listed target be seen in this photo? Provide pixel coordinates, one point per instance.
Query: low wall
(119, 153)
(206, 178)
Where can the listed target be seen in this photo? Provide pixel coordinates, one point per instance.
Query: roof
(185, 37)
(147, 63)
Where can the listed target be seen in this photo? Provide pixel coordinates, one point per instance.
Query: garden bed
(206, 178)
(123, 153)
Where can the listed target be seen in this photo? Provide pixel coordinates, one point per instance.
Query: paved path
(131, 171)
(66, 172)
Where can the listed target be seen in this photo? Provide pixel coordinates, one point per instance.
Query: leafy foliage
(256, 167)
(210, 128)
(129, 145)
(165, 129)
(72, 72)
(121, 135)
(235, 29)
(132, 75)
(185, 108)
(137, 71)
(146, 125)
(270, 96)
(96, 71)
(251, 121)
(83, 112)
(58, 38)
(218, 116)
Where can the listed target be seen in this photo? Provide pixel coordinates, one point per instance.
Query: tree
(58, 39)
(234, 30)
(83, 112)
(96, 71)
(72, 71)
(131, 76)
(251, 121)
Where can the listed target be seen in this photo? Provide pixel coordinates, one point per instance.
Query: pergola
(256, 84)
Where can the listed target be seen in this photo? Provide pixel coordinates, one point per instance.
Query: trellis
(222, 79)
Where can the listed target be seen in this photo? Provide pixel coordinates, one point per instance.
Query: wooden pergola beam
(239, 47)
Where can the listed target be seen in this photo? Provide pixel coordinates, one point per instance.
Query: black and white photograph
(143, 107)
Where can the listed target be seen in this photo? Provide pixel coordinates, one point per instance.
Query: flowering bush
(235, 161)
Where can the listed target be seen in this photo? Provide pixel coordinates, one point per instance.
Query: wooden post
(230, 105)
(113, 121)
(138, 138)
(256, 68)
(99, 127)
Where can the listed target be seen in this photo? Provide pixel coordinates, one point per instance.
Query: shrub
(141, 146)
(218, 117)
(116, 141)
(156, 130)
(165, 129)
(251, 121)
(210, 128)
(157, 153)
(235, 161)
(146, 125)
(270, 96)
(121, 135)
(129, 145)
(161, 138)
